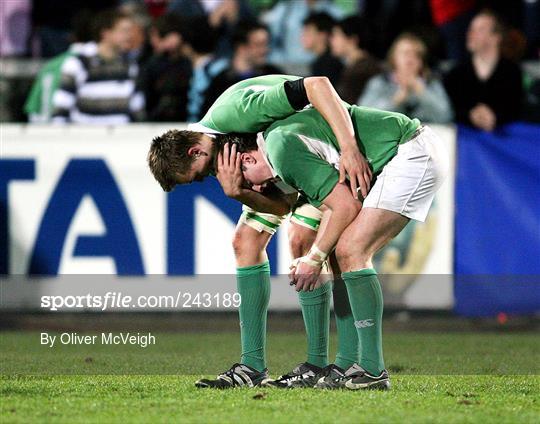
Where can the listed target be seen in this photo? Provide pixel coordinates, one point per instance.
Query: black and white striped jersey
(94, 90)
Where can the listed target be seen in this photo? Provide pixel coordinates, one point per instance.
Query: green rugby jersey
(304, 153)
(301, 147)
(248, 106)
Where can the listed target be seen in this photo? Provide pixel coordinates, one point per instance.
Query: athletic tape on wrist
(307, 260)
(315, 251)
(311, 262)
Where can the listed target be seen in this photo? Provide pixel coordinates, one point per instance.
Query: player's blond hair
(168, 156)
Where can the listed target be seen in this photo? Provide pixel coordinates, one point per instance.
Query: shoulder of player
(277, 139)
(283, 144)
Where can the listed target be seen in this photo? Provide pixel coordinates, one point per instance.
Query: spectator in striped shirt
(100, 88)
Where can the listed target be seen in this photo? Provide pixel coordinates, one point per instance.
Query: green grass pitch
(458, 377)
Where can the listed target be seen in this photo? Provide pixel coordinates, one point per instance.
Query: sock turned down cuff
(253, 269)
(360, 273)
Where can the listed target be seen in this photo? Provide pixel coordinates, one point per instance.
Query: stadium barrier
(80, 201)
(497, 261)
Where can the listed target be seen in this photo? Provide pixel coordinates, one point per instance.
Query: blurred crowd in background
(111, 62)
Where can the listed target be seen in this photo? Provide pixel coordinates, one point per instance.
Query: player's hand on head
(229, 171)
(355, 166)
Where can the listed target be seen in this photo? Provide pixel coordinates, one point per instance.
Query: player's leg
(347, 349)
(253, 285)
(315, 305)
(347, 346)
(347, 356)
(403, 191)
(369, 232)
(249, 245)
(251, 237)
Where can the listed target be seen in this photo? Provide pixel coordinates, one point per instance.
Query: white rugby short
(408, 183)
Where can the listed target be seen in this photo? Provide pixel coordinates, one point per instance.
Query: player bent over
(302, 152)
(272, 98)
(410, 163)
(315, 304)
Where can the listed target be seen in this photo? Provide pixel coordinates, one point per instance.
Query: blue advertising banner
(497, 225)
(78, 200)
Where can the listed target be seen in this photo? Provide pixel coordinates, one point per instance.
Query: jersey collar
(261, 144)
(277, 181)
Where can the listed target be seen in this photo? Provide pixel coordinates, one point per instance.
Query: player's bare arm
(341, 210)
(322, 95)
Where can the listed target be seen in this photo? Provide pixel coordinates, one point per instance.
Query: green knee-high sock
(347, 349)
(253, 284)
(365, 296)
(316, 312)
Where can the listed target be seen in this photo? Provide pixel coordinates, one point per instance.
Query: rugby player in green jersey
(409, 163)
(301, 151)
(250, 106)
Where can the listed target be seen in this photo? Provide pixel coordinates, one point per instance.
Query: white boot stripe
(238, 379)
(246, 378)
(226, 378)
